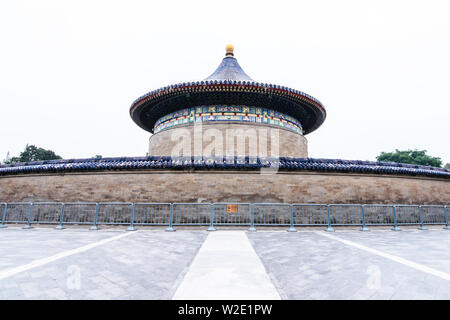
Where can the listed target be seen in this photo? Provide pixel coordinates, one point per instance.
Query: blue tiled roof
(229, 69)
(227, 85)
(283, 163)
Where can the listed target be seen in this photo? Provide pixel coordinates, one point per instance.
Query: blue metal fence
(79, 213)
(407, 214)
(345, 214)
(275, 214)
(3, 207)
(433, 214)
(114, 213)
(191, 214)
(231, 213)
(249, 215)
(18, 212)
(152, 214)
(46, 212)
(378, 214)
(310, 214)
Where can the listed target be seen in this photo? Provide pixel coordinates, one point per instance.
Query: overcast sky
(69, 70)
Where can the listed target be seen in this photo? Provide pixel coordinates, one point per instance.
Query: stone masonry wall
(224, 186)
(265, 138)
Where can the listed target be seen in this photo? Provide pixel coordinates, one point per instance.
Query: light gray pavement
(226, 267)
(307, 265)
(430, 247)
(18, 246)
(142, 265)
(154, 264)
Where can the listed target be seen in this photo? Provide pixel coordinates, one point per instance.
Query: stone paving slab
(428, 247)
(305, 265)
(151, 264)
(144, 265)
(18, 246)
(226, 267)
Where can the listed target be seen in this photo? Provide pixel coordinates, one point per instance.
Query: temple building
(224, 139)
(237, 116)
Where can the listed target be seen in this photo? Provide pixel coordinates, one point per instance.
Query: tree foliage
(447, 166)
(33, 153)
(410, 156)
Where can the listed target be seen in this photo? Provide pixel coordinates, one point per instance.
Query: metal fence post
(3, 225)
(211, 218)
(252, 218)
(329, 228)
(170, 228)
(363, 215)
(422, 226)
(395, 228)
(60, 225)
(446, 218)
(131, 227)
(28, 225)
(291, 219)
(95, 227)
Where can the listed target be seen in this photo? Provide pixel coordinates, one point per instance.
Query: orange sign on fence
(232, 208)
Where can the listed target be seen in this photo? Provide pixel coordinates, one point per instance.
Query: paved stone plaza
(75, 263)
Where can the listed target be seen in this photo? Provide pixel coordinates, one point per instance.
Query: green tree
(410, 156)
(447, 166)
(33, 153)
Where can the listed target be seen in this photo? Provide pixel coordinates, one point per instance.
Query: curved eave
(147, 109)
(236, 163)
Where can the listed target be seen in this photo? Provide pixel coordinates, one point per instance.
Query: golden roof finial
(229, 49)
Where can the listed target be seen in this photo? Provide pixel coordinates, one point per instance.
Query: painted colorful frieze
(228, 113)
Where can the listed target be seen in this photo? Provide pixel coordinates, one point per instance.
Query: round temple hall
(225, 139)
(228, 114)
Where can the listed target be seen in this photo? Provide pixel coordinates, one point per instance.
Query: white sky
(69, 70)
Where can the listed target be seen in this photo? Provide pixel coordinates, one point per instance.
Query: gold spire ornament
(229, 49)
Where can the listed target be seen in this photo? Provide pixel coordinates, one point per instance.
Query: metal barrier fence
(221, 214)
(310, 214)
(18, 212)
(407, 214)
(231, 213)
(113, 213)
(275, 214)
(79, 213)
(191, 214)
(3, 207)
(151, 214)
(345, 214)
(434, 215)
(378, 214)
(46, 213)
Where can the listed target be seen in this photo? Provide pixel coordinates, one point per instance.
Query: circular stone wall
(224, 186)
(220, 139)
